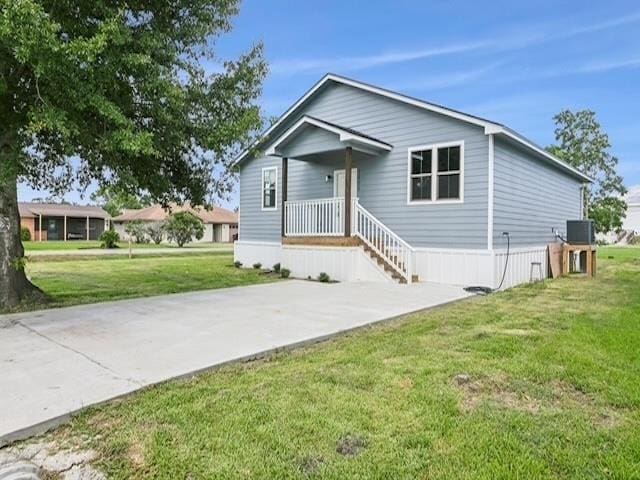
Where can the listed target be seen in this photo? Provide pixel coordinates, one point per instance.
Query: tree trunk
(14, 285)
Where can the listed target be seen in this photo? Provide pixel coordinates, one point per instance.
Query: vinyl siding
(530, 197)
(382, 179)
(308, 140)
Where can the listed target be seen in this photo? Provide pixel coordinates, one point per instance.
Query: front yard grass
(71, 282)
(538, 382)
(59, 245)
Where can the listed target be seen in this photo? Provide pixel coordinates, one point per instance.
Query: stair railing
(387, 244)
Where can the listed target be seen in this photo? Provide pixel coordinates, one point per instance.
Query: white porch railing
(325, 217)
(393, 249)
(318, 217)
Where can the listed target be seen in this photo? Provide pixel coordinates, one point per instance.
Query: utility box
(581, 232)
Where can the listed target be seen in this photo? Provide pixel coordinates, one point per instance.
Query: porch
(340, 220)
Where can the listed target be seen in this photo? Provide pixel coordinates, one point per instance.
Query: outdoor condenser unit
(581, 232)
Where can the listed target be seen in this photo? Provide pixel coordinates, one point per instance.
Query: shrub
(182, 227)
(109, 239)
(25, 234)
(276, 268)
(237, 264)
(155, 231)
(137, 231)
(285, 272)
(323, 277)
(257, 266)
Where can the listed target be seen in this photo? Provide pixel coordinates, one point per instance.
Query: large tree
(117, 92)
(583, 144)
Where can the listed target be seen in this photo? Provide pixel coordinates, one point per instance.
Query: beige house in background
(220, 225)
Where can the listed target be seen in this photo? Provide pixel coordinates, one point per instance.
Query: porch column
(40, 227)
(65, 228)
(348, 162)
(87, 229)
(285, 181)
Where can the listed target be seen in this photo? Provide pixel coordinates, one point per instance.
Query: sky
(517, 63)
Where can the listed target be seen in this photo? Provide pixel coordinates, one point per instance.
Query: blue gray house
(429, 192)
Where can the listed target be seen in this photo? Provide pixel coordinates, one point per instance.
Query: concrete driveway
(55, 362)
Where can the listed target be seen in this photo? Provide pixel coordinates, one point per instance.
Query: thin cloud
(539, 34)
(446, 80)
(369, 61)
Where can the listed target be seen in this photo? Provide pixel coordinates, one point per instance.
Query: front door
(338, 183)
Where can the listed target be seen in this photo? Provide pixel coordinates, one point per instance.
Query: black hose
(506, 262)
(487, 290)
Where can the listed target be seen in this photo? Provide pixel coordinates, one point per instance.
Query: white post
(40, 227)
(87, 228)
(65, 228)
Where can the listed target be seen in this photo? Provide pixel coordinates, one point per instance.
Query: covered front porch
(309, 216)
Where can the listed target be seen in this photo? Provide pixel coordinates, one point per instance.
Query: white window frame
(434, 173)
(275, 207)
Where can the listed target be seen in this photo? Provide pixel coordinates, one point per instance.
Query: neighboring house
(56, 221)
(432, 189)
(632, 221)
(220, 225)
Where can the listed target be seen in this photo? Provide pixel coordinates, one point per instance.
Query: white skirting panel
(519, 265)
(266, 253)
(345, 264)
(454, 267)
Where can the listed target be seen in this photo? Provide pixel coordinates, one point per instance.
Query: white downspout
(490, 200)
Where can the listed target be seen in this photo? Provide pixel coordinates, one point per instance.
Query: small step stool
(538, 266)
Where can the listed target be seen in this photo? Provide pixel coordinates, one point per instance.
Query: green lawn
(553, 392)
(84, 245)
(71, 282)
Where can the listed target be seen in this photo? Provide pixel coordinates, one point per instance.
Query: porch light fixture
(328, 178)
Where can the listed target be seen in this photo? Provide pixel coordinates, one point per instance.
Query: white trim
(335, 183)
(344, 136)
(434, 173)
(490, 193)
(489, 127)
(275, 207)
(508, 133)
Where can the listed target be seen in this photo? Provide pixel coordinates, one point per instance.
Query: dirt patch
(351, 445)
(555, 396)
(406, 384)
(136, 455)
(311, 464)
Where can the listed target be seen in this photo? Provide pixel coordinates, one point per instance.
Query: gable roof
(156, 213)
(345, 134)
(34, 209)
(490, 127)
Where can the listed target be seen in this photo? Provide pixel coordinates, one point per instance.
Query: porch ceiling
(312, 136)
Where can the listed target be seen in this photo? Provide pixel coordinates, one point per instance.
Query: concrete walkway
(55, 362)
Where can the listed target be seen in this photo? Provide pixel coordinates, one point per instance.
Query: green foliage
(324, 277)
(257, 265)
(583, 144)
(285, 272)
(115, 201)
(25, 234)
(137, 230)
(237, 264)
(20, 263)
(276, 268)
(155, 230)
(109, 239)
(122, 87)
(182, 227)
